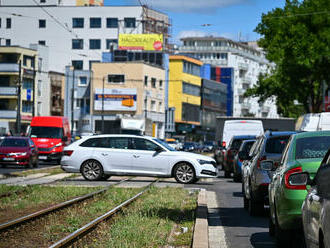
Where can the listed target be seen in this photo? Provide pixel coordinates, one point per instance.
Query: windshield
(312, 147)
(276, 144)
(14, 143)
(164, 144)
(46, 132)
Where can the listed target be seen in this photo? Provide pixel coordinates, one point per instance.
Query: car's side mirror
(300, 179)
(65, 138)
(267, 165)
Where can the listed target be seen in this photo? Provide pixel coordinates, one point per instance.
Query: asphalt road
(240, 228)
(14, 168)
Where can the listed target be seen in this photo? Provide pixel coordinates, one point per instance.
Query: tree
(297, 39)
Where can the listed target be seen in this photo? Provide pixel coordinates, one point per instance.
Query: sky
(233, 19)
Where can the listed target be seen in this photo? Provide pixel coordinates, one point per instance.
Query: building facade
(75, 35)
(237, 63)
(18, 68)
(128, 96)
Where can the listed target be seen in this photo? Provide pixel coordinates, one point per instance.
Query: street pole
(103, 105)
(34, 86)
(72, 102)
(19, 85)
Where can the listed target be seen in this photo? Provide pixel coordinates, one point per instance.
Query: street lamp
(103, 105)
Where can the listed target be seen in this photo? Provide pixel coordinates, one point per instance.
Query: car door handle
(104, 154)
(136, 156)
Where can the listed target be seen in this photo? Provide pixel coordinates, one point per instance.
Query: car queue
(290, 173)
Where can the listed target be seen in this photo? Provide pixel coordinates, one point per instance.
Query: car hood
(46, 142)
(13, 149)
(192, 155)
(310, 165)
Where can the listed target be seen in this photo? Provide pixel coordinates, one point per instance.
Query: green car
(304, 152)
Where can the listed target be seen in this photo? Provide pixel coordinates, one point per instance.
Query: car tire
(184, 173)
(227, 174)
(92, 170)
(105, 177)
(245, 202)
(282, 236)
(237, 178)
(271, 227)
(255, 208)
(30, 164)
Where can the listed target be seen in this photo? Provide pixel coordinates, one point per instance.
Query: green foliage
(296, 38)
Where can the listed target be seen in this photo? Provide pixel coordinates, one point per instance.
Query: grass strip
(148, 222)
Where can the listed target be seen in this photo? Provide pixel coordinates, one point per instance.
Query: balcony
(8, 91)
(8, 114)
(245, 105)
(243, 66)
(9, 67)
(246, 80)
(240, 91)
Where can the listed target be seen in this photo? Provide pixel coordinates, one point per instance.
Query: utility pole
(72, 102)
(34, 86)
(103, 105)
(19, 85)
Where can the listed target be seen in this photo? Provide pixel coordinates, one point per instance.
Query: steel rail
(23, 219)
(86, 228)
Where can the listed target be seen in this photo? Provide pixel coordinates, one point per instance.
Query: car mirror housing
(267, 165)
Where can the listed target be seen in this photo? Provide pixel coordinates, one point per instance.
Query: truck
(313, 122)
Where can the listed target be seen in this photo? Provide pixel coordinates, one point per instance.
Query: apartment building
(75, 35)
(242, 63)
(128, 97)
(18, 68)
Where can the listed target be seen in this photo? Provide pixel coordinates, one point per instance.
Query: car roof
(279, 133)
(312, 134)
(244, 136)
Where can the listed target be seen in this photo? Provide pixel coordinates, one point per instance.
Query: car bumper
(23, 160)
(54, 156)
(206, 171)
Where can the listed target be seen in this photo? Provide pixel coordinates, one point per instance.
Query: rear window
(235, 145)
(276, 144)
(247, 146)
(312, 147)
(14, 143)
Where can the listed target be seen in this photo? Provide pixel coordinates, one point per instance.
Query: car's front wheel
(184, 173)
(92, 170)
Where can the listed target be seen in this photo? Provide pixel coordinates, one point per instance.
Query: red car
(18, 151)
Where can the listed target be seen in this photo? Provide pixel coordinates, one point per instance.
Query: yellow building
(184, 91)
(17, 72)
(134, 94)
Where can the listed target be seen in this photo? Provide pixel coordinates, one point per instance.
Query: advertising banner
(147, 42)
(115, 99)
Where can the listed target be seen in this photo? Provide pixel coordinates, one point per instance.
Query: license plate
(43, 157)
(8, 159)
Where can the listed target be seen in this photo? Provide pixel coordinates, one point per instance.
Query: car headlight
(58, 145)
(201, 161)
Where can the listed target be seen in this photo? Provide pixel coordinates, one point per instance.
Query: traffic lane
(240, 228)
(16, 168)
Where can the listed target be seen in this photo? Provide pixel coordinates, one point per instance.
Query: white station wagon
(99, 157)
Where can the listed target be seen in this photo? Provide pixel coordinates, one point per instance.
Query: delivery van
(313, 122)
(50, 134)
(240, 127)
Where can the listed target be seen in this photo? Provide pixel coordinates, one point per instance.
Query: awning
(132, 124)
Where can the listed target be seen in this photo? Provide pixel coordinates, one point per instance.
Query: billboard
(147, 42)
(115, 99)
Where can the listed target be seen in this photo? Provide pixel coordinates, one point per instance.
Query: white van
(241, 127)
(313, 122)
(324, 122)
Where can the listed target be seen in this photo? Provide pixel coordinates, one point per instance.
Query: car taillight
(68, 152)
(287, 182)
(259, 160)
(224, 143)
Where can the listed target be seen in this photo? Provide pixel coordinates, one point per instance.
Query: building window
(42, 23)
(79, 103)
(129, 22)
(111, 42)
(190, 112)
(77, 22)
(145, 80)
(160, 107)
(39, 108)
(27, 106)
(42, 1)
(95, 44)
(27, 83)
(82, 81)
(112, 22)
(95, 22)
(160, 84)
(0, 22)
(42, 42)
(77, 44)
(153, 105)
(116, 78)
(145, 104)
(39, 88)
(191, 68)
(191, 89)
(8, 42)
(8, 23)
(77, 64)
(153, 82)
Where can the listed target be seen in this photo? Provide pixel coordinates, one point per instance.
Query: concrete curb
(200, 238)
(16, 173)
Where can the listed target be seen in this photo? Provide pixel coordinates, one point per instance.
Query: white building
(248, 62)
(75, 35)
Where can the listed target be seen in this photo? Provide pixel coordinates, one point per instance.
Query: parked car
(173, 143)
(256, 179)
(99, 157)
(188, 146)
(316, 207)
(50, 134)
(18, 151)
(303, 153)
(242, 154)
(208, 146)
(231, 151)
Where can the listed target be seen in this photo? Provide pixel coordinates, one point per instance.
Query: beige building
(18, 68)
(134, 98)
